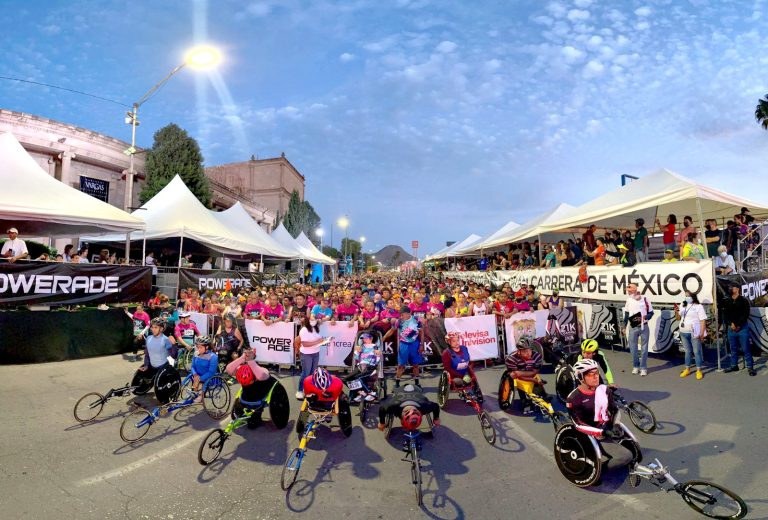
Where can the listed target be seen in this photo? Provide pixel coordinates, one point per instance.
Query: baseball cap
(622, 246)
(13, 230)
(669, 251)
(405, 310)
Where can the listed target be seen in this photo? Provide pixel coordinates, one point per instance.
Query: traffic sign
(414, 244)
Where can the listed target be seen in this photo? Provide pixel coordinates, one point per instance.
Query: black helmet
(157, 321)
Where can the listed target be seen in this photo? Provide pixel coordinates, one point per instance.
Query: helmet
(230, 316)
(451, 336)
(244, 375)
(410, 418)
(184, 314)
(203, 340)
(584, 366)
(524, 342)
(589, 345)
(321, 378)
(157, 321)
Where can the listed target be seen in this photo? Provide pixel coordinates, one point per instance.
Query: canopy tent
(40, 205)
(491, 239)
(281, 235)
(306, 243)
(436, 253)
(176, 212)
(656, 195)
(237, 218)
(451, 251)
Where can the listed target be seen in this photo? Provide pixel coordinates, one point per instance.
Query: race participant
(523, 365)
(158, 348)
(410, 404)
(593, 410)
(419, 307)
(457, 363)
(435, 305)
(322, 311)
(502, 307)
(255, 381)
(140, 328)
(365, 360)
(186, 331)
(346, 311)
(321, 389)
(388, 318)
(232, 339)
(300, 309)
(369, 316)
(205, 364)
(272, 311)
(409, 349)
(590, 350)
(478, 307)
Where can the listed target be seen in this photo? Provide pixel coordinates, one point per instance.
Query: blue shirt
(205, 366)
(409, 331)
(317, 311)
(483, 265)
(157, 348)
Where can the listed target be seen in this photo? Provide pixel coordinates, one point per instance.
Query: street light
(320, 232)
(343, 223)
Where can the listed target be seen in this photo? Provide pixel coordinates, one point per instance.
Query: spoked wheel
(88, 407)
(577, 456)
(364, 405)
(443, 389)
(216, 397)
(186, 390)
(345, 417)
(388, 427)
(642, 416)
(712, 500)
(291, 469)
(381, 388)
(505, 391)
(141, 384)
(135, 426)
(416, 474)
(559, 419)
(489, 432)
(211, 447)
(565, 383)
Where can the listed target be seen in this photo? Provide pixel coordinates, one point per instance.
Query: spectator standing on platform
(590, 243)
(712, 237)
(208, 264)
(150, 261)
(682, 237)
(669, 231)
(83, 254)
(730, 236)
(736, 313)
(724, 263)
(641, 240)
(14, 248)
(68, 252)
(637, 313)
(186, 260)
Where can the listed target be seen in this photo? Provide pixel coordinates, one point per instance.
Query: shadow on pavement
(668, 428)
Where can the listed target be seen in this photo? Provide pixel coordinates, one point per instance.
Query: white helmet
(582, 367)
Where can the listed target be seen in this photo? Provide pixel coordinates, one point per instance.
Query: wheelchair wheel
(506, 387)
(301, 423)
(291, 469)
(345, 416)
(167, 384)
(184, 359)
(211, 447)
(279, 406)
(443, 389)
(185, 391)
(489, 432)
(642, 416)
(559, 419)
(577, 456)
(388, 427)
(565, 383)
(141, 383)
(216, 397)
(88, 407)
(381, 388)
(135, 426)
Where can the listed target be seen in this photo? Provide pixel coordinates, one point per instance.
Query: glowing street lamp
(343, 223)
(320, 232)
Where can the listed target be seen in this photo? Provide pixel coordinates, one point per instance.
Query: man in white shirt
(14, 248)
(637, 313)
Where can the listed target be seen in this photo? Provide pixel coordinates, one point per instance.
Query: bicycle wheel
(211, 447)
(88, 407)
(135, 426)
(416, 473)
(505, 391)
(291, 469)
(642, 416)
(712, 500)
(559, 418)
(443, 389)
(216, 397)
(489, 432)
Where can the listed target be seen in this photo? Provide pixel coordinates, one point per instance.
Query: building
(97, 164)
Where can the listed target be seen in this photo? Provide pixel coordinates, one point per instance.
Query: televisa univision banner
(272, 343)
(335, 353)
(53, 283)
(657, 281)
(478, 333)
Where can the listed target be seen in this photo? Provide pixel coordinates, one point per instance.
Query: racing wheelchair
(527, 397)
(471, 394)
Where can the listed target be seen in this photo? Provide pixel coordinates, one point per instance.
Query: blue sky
(420, 119)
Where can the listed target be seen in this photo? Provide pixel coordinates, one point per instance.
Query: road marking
(133, 466)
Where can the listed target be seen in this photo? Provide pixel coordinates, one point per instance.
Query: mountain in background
(392, 255)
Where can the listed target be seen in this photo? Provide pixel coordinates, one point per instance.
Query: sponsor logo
(276, 344)
(754, 290)
(205, 283)
(57, 284)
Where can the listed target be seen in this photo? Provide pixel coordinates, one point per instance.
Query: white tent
(451, 251)
(656, 195)
(237, 218)
(281, 235)
(176, 212)
(307, 244)
(491, 240)
(528, 230)
(39, 205)
(436, 254)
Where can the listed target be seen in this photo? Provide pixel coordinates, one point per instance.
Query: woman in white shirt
(309, 350)
(478, 307)
(693, 329)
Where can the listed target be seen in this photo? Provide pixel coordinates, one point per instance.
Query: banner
(216, 280)
(201, 321)
(272, 343)
(54, 283)
(478, 333)
(521, 324)
(754, 286)
(335, 353)
(604, 326)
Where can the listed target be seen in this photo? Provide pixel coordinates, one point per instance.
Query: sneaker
(370, 397)
(751, 371)
(686, 372)
(299, 395)
(358, 398)
(699, 374)
(643, 372)
(732, 368)
(635, 371)
(132, 358)
(198, 399)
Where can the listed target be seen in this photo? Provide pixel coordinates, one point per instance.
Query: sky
(420, 120)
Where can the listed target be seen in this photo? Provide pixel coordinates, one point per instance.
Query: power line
(67, 89)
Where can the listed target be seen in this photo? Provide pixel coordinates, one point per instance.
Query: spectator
(76, 258)
(683, 236)
(208, 264)
(641, 240)
(309, 350)
(736, 314)
(598, 253)
(150, 261)
(669, 232)
(669, 256)
(104, 256)
(83, 254)
(14, 248)
(68, 252)
(569, 260)
(730, 236)
(712, 237)
(637, 313)
(186, 260)
(627, 257)
(59, 258)
(724, 263)
(691, 251)
(693, 329)
(590, 243)
(577, 249)
(483, 264)
(551, 259)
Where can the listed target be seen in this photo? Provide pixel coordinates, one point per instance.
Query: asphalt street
(53, 467)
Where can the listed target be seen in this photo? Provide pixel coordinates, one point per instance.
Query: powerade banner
(272, 343)
(216, 280)
(754, 286)
(478, 333)
(28, 283)
(334, 353)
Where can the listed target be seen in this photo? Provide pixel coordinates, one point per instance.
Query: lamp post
(320, 232)
(362, 243)
(202, 57)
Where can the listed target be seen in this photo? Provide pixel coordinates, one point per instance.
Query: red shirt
(333, 392)
(669, 233)
(507, 306)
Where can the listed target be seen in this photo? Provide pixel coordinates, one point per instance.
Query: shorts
(408, 354)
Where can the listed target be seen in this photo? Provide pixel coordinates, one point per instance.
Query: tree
(761, 112)
(351, 247)
(300, 217)
(331, 252)
(173, 153)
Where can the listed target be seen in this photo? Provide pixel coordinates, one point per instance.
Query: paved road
(51, 467)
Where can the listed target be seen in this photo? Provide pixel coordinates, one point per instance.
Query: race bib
(355, 385)
(462, 366)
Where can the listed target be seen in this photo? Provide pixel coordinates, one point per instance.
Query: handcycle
(216, 399)
(525, 391)
(279, 410)
(90, 406)
(309, 421)
(412, 447)
(471, 395)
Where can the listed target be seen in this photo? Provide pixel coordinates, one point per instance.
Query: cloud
(346, 57)
(593, 68)
(582, 3)
(578, 15)
(259, 9)
(643, 26)
(382, 45)
(51, 29)
(643, 11)
(572, 54)
(446, 47)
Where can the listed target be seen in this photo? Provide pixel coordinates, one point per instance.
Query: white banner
(334, 354)
(478, 333)
(272, 343)
(481, 277)
(533, 324)
(201, 321)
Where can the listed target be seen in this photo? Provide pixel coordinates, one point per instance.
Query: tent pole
(144, 249)
(127, 247)
(702, 237)
(178, 266)
(540, 248)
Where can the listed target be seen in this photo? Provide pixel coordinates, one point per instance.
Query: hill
(392, 255)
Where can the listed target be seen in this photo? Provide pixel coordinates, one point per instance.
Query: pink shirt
(346, 313)
(272, 312)
(682, 238)
(253, 309)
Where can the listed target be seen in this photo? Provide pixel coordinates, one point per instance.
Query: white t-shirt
(305, 336)
(17, 247)
(728, 262)
(691, 317)
(642, 306)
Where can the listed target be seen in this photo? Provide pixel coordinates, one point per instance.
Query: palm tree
(761, 112)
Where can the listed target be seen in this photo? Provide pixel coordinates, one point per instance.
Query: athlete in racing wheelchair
(522, 372)
(259, 389)
(324, 393)
(458, 375)
(596, 418)
(156, 370)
